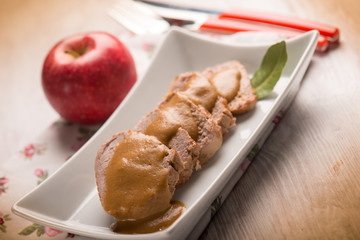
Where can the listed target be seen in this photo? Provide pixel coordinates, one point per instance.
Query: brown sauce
(201, 92)
(174, 114)
(136, 180)
(164, 126)
(151, 224)
(227, 83)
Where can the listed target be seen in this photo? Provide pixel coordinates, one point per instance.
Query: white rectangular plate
(68, 199)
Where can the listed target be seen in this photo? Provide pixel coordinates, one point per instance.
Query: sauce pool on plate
(153, 224)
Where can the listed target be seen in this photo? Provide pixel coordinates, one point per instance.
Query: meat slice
(189, 152)
(202, 92)
(196, 120)
(176, 111)
(135, 175)
(222, 115)
(209, 136)
(179, 140)
(226, 78)
(196, 87)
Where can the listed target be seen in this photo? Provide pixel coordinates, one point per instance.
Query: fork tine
(141, 16)
(133, 27)
(137, 18)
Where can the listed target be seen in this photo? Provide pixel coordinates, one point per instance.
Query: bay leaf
(269, 72)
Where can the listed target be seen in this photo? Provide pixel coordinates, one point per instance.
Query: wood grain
(304, 184)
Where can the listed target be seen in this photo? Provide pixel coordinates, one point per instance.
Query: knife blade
(243, 20)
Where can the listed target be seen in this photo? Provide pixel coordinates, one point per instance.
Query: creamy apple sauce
(137, 187)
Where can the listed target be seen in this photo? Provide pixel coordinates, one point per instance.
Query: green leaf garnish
(269, 72)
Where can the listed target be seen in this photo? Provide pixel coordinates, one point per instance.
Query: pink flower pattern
(32, 149)
(39, 230)
(41, 174)
(3, 182)
(51, 232)
(278, 117)
(148, 47)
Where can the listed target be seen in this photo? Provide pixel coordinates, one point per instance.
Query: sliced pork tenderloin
(233, 83)
(196, 87)
(222, 115)
(179, 140)
(201, 91)
(135, 175)
(176, 111)
(189, 152)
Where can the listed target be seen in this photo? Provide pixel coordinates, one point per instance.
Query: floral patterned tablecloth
(42, 156)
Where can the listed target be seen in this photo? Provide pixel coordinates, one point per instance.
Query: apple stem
(73, 53)
(76, 53)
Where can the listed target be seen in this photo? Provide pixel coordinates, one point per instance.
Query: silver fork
(138, 18)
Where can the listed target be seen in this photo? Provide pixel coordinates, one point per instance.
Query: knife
(244, 20)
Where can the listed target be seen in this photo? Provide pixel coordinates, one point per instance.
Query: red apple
(86, 76)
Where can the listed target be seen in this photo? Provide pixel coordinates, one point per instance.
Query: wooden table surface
(304, 183)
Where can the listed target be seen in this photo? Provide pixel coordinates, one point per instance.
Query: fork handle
(238, 26)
